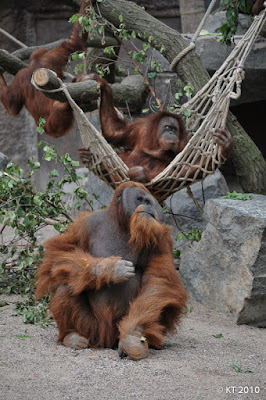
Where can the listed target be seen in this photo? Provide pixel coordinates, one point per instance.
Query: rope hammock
(208, 109)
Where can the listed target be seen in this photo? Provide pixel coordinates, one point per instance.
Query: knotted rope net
(208, 111)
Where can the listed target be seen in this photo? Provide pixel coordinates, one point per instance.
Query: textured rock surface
(186, 213)
(226, 270)
(3, 161)
(99, 193)
(213, 54)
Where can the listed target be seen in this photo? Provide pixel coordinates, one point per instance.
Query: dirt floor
(193, 364)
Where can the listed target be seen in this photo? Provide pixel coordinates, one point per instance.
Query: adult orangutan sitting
(112, 277)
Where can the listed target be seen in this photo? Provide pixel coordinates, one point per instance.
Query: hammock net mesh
(208, 111)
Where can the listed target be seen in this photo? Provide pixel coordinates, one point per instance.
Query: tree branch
(11, 37)
(132, 89)
(96, 41)
(10, 63)
(24, 54)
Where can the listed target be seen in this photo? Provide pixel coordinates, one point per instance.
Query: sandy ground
(193, 364)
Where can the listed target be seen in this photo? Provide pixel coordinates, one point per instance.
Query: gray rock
(99, 193)
(182, 209)
(3, 161)
(213, 54)
(226, 270)
(217, 19)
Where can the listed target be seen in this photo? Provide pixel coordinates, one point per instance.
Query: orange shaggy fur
(91, 302)
(59, 117)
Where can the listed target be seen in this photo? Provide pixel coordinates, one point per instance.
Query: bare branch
(96, 41)
(24, 54)
(11, 37)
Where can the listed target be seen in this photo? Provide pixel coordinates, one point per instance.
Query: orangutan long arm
(162, 293)
(65, 263)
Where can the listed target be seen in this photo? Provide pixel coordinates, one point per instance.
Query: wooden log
(46, 79)
(96, 41)
(132, 90)
(81, 92)
(10, 63)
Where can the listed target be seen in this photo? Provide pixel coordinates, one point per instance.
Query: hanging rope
(192, 44)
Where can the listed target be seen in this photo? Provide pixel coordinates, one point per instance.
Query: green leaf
(138, 57)
(47, 157)
(54, 173)
(37, 200)
(187, 112)
(237, 367)
(75, 163)
(73, 19)
(237, 196)
(75, 56)
(152, 75)
(145, 110)
(218, 335)
(146, 46)
(177, 253)
(23, 336)
(101, 30)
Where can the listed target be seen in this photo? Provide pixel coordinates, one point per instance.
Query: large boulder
(226, 270)
(181, 209)
(99, 193)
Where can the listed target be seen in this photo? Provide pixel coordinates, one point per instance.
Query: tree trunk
(248, 160)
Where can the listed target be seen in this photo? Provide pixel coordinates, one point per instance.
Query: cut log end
(41, 77)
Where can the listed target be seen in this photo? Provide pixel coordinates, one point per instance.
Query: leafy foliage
(237, 368)
(34, 313)
(24, 212)
(177, 253)
(237, 196)
(230, 27)
(193, 236)
(140, 55)
(218, 335)
(183, 94)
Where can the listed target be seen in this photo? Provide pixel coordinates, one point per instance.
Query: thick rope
(192, 45)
